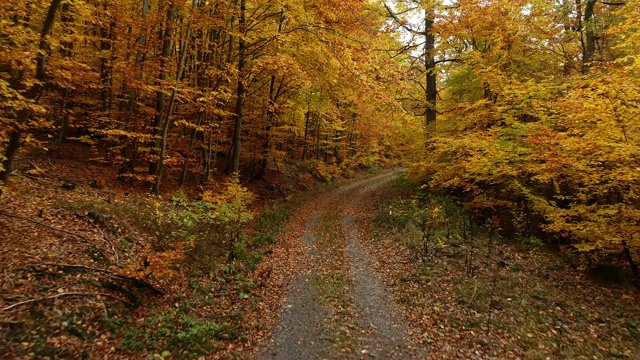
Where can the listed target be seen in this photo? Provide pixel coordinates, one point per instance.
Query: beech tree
(23, 89)
(155, 86)
(539, 120)
(422, 39)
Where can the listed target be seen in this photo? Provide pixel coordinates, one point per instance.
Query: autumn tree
(537, 129)
(154, 86)
(22, 84)
(417, 19)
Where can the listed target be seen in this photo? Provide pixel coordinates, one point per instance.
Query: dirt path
(337, 305)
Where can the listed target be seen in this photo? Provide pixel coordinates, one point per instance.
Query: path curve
(337, 304)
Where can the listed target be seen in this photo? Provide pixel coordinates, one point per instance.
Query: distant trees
(157, 86)
(21, 89)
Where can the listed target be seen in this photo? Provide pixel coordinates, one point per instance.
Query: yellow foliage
(230, 206)
(522, 129)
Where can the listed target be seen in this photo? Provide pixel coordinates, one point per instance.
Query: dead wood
(133, 280)
(3, 213)
(64, 294)
(113, 248)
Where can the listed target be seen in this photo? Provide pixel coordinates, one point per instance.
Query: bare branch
(46, 226)
(64, 294)
(401, 22)
(113, 248)
(108, 273)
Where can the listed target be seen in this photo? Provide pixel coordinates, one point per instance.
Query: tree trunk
(172, 101)
(205, 153)
(241, 91)
(106, 34)
(430, 69)
(66, 51)
(318, 140)
(273, 96)
(192, 140)
(589, 44)
(326, 148)
(160, 96)
(33, 94)
(632, 264)
(264, 159)
(307, 116)
(130, 165)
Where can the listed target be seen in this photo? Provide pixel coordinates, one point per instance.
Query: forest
(170, 168)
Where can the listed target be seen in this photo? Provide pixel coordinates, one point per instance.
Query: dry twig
(3, 213)
(108, 273)
(61, 295)
(113, 248)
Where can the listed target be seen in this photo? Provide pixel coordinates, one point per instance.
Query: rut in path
(339, 307)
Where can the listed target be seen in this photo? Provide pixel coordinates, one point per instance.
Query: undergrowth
(429, 223)
(211, 294)
(479, 289)
(182, 334)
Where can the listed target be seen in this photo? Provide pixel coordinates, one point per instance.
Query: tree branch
(134, 280)
(448, 60)
(61, 295)
(400, 22)
(113, 248)
(46, 226)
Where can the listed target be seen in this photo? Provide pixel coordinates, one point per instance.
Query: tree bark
(264, 158)
(273, 96)
(318, 139)
(632, 264)
(172, 101)
(132, 107)
(192, 140)
(306, 135)
(430, 69)
(589, 45)
(241, 92)
(162, 76)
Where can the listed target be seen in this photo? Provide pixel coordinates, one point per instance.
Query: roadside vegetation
(471, 292)
(132, 275)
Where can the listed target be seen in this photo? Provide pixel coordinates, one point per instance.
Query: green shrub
(184, 335)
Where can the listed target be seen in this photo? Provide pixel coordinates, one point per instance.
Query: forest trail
(337, 305)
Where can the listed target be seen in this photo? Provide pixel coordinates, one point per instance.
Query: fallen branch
(46, 226)
(110, 274)
(80, 266)
(64, 294)
(113, 248)
(42, 172)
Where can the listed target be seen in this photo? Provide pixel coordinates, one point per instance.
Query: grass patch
(184, 335)
(269, 225)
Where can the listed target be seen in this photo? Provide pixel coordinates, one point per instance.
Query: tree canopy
(536, 101)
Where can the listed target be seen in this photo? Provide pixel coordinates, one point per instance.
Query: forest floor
(95, 268)
(338, 272)
(364, 289)
(337, 304)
